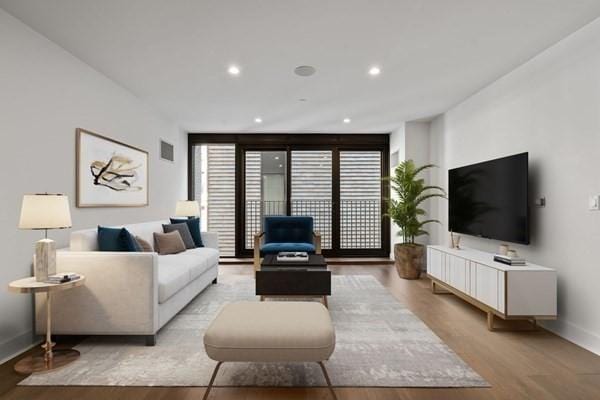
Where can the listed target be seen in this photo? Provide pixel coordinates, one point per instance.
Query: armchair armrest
(119, 296)
(257, 240)
(317, 242)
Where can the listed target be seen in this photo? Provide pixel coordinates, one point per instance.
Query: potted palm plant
(405, 211)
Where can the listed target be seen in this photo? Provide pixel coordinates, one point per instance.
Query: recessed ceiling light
(303, 99)
(374, 71)
(258, 120)
(347, 120)
(280, 165)
(277, 157)
(233, 70)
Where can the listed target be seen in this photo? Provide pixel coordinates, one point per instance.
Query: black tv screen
(490, 199)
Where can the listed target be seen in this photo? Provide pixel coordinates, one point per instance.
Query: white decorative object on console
(509, 292)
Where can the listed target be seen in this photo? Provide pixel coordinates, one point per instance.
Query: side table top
(30, 285)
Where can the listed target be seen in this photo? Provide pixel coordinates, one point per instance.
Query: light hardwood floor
(518, 364)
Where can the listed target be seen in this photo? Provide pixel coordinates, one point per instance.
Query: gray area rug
(379, 343)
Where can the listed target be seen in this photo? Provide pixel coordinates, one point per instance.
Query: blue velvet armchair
(284, 233)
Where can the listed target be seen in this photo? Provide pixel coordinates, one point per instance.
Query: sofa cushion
(172, 277)
(184, 231)
(116, 239)
(202, 259)
(274, 248)
(168, 243)
(194, 226)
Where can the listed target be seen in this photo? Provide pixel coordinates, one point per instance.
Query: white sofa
(127, 293)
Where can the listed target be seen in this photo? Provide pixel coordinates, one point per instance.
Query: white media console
(509, 292)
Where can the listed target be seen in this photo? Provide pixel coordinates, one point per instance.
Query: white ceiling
(174, 54)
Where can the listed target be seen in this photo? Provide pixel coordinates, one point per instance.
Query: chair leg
(212, 380)
(327, 380)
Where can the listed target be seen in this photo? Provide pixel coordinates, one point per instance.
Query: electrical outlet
(594, 203)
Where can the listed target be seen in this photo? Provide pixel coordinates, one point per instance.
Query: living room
(174, 153)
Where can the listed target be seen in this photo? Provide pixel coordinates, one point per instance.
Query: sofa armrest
(210, 239)
(119, 296)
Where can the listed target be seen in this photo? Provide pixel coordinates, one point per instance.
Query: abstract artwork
(110, 173)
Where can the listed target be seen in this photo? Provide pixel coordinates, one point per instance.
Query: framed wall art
(110, 173)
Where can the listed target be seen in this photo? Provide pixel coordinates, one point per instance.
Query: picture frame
(110, 173)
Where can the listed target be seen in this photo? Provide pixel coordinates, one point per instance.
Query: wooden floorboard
(517, 362)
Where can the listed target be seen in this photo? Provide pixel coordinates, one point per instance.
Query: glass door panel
(360, 200)
(214, 189)
(265, 189)
(311, 189)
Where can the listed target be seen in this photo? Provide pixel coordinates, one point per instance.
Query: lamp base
(45, 259)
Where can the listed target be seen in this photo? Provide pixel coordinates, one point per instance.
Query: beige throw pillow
(146, 247)
(168, 243)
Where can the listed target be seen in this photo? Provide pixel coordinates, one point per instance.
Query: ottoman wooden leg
(212, 380)
(327, 380)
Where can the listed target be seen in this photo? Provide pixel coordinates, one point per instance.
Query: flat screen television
(490, 199)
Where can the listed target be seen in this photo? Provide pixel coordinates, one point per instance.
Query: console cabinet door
(458, 273)
(486, 289)
(435, 263)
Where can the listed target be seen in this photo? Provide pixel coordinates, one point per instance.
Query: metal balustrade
(360, 220)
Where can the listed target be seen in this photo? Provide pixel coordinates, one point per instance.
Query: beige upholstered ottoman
(271, 332)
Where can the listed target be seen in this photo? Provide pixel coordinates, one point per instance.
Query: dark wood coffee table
(293, 279)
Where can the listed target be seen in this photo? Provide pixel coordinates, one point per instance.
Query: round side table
(51, 359)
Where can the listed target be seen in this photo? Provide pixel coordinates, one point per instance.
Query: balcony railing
(360, 220)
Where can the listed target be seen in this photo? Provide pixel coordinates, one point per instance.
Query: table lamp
(45, 211)
(187, 208)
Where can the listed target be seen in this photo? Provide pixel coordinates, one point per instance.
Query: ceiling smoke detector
(304, 70)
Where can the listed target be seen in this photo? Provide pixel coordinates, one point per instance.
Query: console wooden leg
(212, 380)
(327, 380)
(325, 302)
(490, 321)
(262, 298)
(534, 324)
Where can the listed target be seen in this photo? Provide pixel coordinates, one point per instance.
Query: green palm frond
(411, 191)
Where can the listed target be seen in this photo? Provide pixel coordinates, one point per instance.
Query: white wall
(412, 142)
(549, 107)
(417, 149)
(45, 94)
(397, 144)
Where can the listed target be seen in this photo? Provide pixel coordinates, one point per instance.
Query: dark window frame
(283, 141)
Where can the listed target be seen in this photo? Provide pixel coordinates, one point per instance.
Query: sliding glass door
(341, 189)
(312, 190)
(239, 179)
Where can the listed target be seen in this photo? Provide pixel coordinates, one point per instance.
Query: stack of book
(509, 260)
(63, 277)
(292, 256)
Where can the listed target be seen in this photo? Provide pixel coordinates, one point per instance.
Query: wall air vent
(167, 151)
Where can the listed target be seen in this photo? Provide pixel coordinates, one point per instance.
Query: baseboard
(575, 334)
(17, 345)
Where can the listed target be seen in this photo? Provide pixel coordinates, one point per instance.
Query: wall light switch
(594, 204)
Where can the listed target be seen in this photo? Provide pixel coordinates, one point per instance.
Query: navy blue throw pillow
(194, 227)
(115, 239)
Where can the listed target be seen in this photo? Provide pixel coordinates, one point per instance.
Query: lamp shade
(45, 211)
(187, 208)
